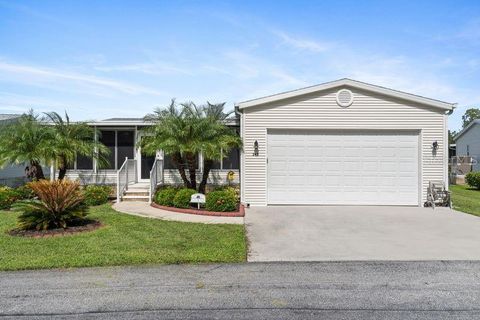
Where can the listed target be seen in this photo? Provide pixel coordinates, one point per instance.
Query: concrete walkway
(143, 209)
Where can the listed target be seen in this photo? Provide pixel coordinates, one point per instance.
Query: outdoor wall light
(435, 145)
(255, 148)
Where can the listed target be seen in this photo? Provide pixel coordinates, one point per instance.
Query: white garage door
(342, 167)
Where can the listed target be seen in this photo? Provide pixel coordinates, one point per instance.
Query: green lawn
(125, 240)
(466, 199)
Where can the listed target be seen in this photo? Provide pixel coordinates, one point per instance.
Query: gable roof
(349, 83)
(470, 125)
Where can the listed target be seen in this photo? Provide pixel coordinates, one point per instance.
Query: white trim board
(349, 83)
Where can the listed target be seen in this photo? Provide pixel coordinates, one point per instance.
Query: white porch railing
(125, 175)
(156, 177)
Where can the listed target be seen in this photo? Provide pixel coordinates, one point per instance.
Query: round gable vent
(344, 98)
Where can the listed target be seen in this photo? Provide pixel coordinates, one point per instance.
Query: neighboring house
(11, 175)
(468, 143)
(342, 143)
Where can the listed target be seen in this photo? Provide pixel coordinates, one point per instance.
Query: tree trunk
(192, 169)
(180, 164)
(62, 171)
(35, 171)
(207, 166)
(62, 168)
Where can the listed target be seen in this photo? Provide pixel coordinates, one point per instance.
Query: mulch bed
(89, 225)
(239, 213)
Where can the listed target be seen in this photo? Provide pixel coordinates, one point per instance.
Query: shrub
(165, 196)
(183, 197)
(24, 193)
(61, 204)
(7, 197)
(96, 194)
(235, 191)
(221, 201)
(473, 179)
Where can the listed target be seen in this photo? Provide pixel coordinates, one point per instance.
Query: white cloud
(302, 44)
(33, 75)
(156, 68)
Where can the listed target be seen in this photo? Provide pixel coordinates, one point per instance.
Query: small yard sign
(198, 198)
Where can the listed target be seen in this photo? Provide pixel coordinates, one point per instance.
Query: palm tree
(70, 140)
(185, 130)
(172, 132)
(219, 140)
(26, 140)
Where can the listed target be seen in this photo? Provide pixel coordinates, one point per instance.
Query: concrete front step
(137, 192)
(135, 198)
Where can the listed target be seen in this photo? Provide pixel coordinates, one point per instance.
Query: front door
(145, 164)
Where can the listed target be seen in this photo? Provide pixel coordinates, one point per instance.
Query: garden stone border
(239, 213)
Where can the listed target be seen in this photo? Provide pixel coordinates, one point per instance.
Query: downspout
(95, 151)
(447, 147)
(240, 116)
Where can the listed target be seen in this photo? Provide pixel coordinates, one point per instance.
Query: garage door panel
(356, 168)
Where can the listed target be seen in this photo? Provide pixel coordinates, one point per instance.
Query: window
(168, 162)
(468, 150)
(229, 161)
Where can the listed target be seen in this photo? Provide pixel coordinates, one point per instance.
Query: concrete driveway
(329, 233)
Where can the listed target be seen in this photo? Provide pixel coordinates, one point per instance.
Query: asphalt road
(327, 290)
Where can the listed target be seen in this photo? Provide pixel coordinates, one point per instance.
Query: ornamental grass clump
(60, 204)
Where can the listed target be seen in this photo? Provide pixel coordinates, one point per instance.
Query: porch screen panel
(232, 160)
(84, 163)
(217, 164)
(126, 146)
(107, 137)
(168, 162)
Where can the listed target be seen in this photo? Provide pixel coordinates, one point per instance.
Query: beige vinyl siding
(369, 111)
(90, 177)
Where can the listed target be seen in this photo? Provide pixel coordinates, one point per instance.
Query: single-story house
(468, 143)
(343, 142)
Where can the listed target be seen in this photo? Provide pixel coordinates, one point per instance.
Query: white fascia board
(350, 83)
(228, 122)
(118, 123)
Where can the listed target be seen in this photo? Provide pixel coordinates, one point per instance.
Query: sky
(102, 59)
